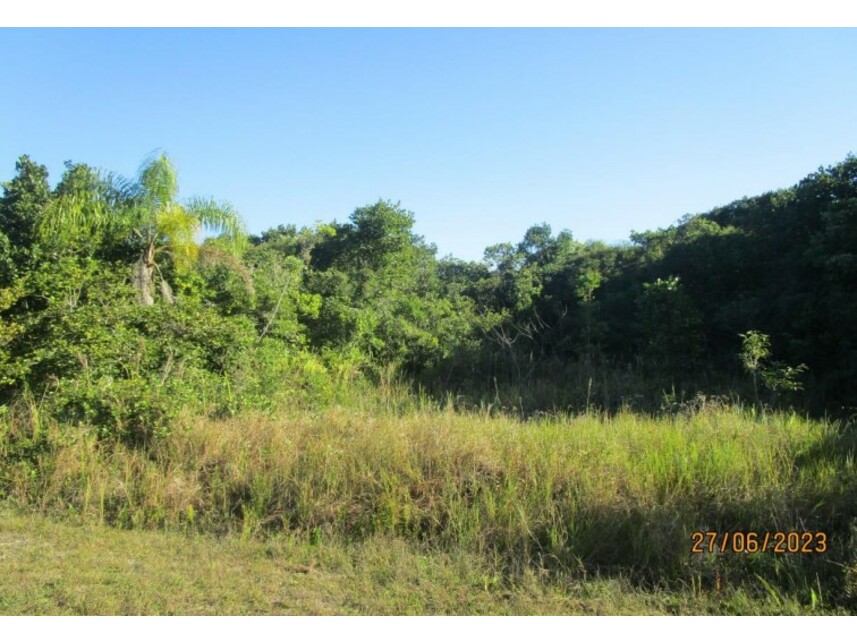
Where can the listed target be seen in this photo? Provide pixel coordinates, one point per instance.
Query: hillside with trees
(110, 298)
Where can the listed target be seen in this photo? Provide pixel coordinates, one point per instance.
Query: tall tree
(147, 214)
(24, 198)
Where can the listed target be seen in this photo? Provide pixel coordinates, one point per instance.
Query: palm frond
(220, 218)
(74, 216)
(122, 196)
(86, 205)
(158, 182)
(179, 228)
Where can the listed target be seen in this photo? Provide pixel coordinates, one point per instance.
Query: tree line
(115, 314)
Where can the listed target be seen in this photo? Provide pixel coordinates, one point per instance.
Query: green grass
(600, 504)
(48, 567)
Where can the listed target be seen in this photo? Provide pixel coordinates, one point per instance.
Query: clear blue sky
(481, 133)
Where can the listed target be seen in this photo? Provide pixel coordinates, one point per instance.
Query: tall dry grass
(578, 495)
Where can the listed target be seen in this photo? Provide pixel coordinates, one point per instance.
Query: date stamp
(751, 542)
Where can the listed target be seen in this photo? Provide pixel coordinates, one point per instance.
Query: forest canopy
(116, 313)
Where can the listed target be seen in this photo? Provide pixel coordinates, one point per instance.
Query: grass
(63, 568)
(589, 514)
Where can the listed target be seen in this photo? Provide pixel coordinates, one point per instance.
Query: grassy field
(59, 568)
(430, 511)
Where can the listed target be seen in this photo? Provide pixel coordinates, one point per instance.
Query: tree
(23, 199)
(146, 214)
(755, 355)
(587, 283)
(671, 325)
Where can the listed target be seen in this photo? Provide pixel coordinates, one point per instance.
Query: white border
(426, 13)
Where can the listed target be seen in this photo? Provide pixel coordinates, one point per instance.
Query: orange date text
(751, 542)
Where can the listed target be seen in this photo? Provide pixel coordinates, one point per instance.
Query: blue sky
(481, 133)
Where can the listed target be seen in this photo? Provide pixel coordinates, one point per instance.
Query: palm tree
(147, 213)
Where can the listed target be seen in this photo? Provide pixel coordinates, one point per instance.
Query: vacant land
(429, 512)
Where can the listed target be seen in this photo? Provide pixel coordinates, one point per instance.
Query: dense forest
(115, 313)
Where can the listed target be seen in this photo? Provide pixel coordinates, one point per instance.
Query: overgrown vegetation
(564, 409)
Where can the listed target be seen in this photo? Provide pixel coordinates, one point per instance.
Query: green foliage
(379, 293)
(587, 283)
(95, 357)
(756, 348)
(671, 325)
(776, 377)
(779, 377)
(282, 301)
(24, 199)
(11, 370)
(542, 324)
(89, 207)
